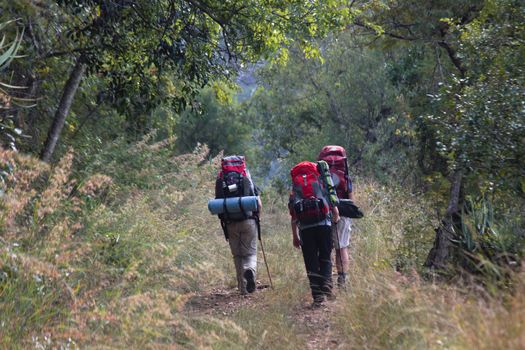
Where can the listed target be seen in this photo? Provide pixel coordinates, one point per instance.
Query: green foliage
(9, 131)
(216, 121)
(9, 50)
(114, 246)
(417, 21)
(118, 253)
(491, 243)
(347, 100)
(143, 57)
(134, 161)
(462, 79)
(484, 131)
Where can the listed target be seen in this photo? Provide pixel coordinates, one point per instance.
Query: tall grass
(389, 307)
(115, 254)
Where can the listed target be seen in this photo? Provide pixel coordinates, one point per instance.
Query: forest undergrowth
(124, 254)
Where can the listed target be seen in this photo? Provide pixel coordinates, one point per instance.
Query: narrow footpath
(310, 323)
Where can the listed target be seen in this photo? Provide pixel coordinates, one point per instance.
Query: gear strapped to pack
(311, 201)
(235, 183)
(335, 157)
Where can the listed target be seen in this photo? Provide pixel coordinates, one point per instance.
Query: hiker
(312, 211)
(335, 156)
(240, 228)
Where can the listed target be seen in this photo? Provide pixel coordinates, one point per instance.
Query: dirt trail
(317, 326)
(312, 323)
(225, 302)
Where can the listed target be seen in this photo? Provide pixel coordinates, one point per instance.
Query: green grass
(27, 302)
(123, 278)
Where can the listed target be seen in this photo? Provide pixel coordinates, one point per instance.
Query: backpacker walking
(335, 156)
(312, 210)
(240, 227)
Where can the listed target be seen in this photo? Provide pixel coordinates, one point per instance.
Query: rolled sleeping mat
(233, 205)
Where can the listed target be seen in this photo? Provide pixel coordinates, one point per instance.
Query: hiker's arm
(295, 234)
(335, 214)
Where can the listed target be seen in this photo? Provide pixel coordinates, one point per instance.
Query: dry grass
(384, 308)
(78, 272)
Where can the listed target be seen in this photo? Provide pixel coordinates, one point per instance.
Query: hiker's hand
(296, 242)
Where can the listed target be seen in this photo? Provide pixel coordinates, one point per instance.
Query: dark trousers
(316, 244)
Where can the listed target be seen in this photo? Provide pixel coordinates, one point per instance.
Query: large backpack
(309, 201)
(335, 156)
(234, 181)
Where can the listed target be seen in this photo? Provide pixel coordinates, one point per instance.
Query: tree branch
(453, 57)
(390, 34)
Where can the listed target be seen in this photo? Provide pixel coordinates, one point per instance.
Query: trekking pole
(338, 248)
(264, 254)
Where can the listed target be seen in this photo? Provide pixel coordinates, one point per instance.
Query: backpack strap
(347, 178)
(241, 208)
(225, 229)
(224, 186)
(225, 207)
(241, 185)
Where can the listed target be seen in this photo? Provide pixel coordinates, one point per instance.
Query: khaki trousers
(243, 244)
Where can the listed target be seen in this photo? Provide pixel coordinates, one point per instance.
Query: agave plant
(487, 244)
(8, 52)
(7, 56)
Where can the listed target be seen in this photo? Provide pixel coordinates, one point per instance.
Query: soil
(317, 326)
(315, 321)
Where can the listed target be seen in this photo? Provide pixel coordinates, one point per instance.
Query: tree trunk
(438, 255)
(28, 117)
(63, 109)
(20, 116)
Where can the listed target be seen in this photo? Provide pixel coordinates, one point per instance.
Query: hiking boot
(250, 280)
(318, 301)
(316, 304)
(326, 291)
(330, 296)
(341, 280)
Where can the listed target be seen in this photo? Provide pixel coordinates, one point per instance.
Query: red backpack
(309, 202)
(233, 170)
(234, 180)
(335, 156)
